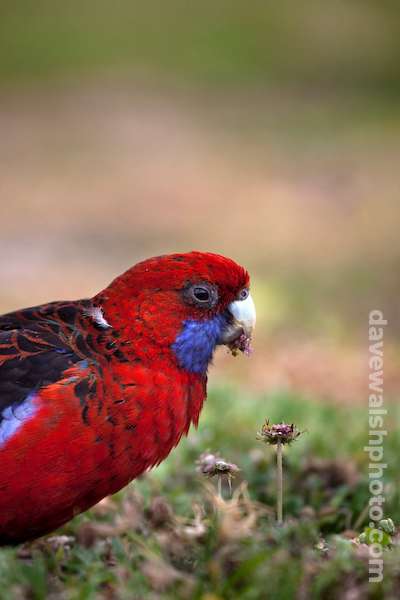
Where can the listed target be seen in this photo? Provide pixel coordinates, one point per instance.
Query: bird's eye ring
(201, 294)
(243, 294)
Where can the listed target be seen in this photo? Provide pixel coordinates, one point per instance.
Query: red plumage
(94, 392)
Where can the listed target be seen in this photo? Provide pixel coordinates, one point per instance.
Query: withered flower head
(205, 461)
(242, 344)
(212, 464)
(286, 433)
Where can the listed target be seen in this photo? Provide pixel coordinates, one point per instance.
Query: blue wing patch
(14, 416)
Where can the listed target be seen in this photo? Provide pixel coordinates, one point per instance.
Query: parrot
(94, 392)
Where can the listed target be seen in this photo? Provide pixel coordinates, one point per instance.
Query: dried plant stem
(279, 499)
(279, 435)
(219, 484)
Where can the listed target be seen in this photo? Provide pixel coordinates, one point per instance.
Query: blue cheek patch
(14, 416)
(195, 345)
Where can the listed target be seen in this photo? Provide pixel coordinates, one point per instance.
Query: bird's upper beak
(244, 320)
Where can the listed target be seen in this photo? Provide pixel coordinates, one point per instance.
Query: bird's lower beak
(244, 320)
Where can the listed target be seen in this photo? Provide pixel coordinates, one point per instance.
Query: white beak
(244, 319)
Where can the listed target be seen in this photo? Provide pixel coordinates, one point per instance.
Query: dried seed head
(212, 464)
(242, 344)
(286, 433)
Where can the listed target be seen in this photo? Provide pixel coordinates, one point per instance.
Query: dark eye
(201, 294)
(243, 294)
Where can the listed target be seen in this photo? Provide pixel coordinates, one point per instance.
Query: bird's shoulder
(37, 345)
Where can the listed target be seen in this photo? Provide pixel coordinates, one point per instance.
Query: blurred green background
(265, 131)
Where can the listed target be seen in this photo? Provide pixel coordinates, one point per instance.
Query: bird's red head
(164, 298)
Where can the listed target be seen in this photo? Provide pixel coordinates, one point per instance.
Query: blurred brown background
(267, 132)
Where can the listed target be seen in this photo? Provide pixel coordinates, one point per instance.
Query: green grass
(213, 44)
(207, 549)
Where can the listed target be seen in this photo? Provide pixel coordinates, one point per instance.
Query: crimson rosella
(94, 392)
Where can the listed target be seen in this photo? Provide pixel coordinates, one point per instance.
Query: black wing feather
(34, 349)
